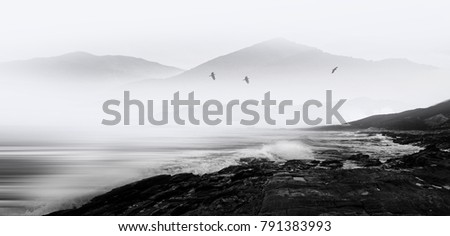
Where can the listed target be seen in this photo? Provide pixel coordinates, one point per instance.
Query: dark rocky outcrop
(365, 160)
(431, 156)
(440, 139)
(434, 117)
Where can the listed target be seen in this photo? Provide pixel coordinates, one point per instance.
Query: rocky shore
(439, 138)
(417, 184)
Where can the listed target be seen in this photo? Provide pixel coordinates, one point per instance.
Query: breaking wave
(287, 150)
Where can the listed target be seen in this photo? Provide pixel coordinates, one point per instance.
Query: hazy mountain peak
(78, 54)
(280, 43)
(277, 41)
(86, 65)
(284, 59)
(251, 60)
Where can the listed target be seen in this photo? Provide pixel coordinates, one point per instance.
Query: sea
(46, 170)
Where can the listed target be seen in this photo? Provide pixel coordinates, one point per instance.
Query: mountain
(298, 72)
(280, 58)
(434, 117)
(81, 64)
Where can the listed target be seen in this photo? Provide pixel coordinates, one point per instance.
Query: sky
(186, 33)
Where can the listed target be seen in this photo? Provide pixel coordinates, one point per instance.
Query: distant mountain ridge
(283, 58)
(82, 64)
(276, 58)
(434, 117)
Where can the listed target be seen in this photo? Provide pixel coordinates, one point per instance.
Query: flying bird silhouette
(334, 70)
(246, 79)
(213, 76)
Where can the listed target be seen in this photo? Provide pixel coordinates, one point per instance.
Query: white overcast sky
(185, 33)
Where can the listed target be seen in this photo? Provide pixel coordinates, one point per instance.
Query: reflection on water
(38, 177)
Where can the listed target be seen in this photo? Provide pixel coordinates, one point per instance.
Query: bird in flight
(334, 70)
(247, 80)
(213, 76)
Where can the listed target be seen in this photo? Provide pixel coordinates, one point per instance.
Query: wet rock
(365, 160)
(359, 157)
(440, 139)
(332, 164)
(372, 163)
(297, 165)
(431, 156)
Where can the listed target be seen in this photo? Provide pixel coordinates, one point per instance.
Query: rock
(365, 160)
(299, 179)
(359, 157)
(430, 156)
(297, 165)
(332, 164)
(372, 163)
(440, 139)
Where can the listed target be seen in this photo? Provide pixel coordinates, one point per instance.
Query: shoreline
(417, 184)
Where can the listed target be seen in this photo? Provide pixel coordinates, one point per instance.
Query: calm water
(37, 177)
